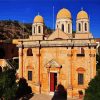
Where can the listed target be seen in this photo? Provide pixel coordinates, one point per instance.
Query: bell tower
(38, 24)
(82, 22)
(64, 21)
(38, 27)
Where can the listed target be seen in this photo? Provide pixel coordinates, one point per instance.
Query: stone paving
(47, 97)
(41, 97)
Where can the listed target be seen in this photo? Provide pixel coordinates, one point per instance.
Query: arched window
(79, 26)
(85, 26)
(39, 29)
(34, 29)
(82, 50)
(80, 78)
(30, 75)
(63, 27)
(57, 26)
(29, 52)
(68, 28)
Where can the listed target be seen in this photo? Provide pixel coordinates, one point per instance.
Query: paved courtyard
(47, 97)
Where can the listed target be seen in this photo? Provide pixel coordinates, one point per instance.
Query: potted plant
(80, 94)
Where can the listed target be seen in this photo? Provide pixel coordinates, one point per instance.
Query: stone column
(71, 27)
(32, 29)
(20, 62)
(88, 27)
(48, 71)
(70, 84)
(36, 29)
(82, 26)
(39, 69)
(65, 26)
(60, 25)
(94, 68)
(93, 62)
(69, 67)
(41, 29)
(76, 27)
(90, 64)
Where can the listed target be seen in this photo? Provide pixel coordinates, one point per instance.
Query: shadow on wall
(2, 53)
(0, 69)
(60, 93)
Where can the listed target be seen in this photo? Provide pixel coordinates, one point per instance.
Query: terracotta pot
(80, 96)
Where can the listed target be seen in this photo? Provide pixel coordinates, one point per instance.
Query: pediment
(53, 64)
(58, 34)
(80, 69)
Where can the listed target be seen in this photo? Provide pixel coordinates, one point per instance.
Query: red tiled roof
(97, 39)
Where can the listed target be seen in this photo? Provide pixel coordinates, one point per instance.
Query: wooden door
(51, 82)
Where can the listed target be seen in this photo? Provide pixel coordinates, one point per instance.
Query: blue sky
(26, 10)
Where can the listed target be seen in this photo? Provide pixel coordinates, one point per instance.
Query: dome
(64, 13)
(82, 15)
(38, 19)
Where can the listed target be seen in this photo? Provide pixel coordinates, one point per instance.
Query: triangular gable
(58, 34)
(53, 63)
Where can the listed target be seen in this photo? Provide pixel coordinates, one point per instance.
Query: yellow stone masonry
(58, 59)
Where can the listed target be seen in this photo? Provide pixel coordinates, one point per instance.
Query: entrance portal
(53, 81)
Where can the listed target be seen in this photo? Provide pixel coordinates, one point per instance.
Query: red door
(51, 82)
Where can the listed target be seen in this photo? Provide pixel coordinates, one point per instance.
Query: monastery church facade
(63, 57)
